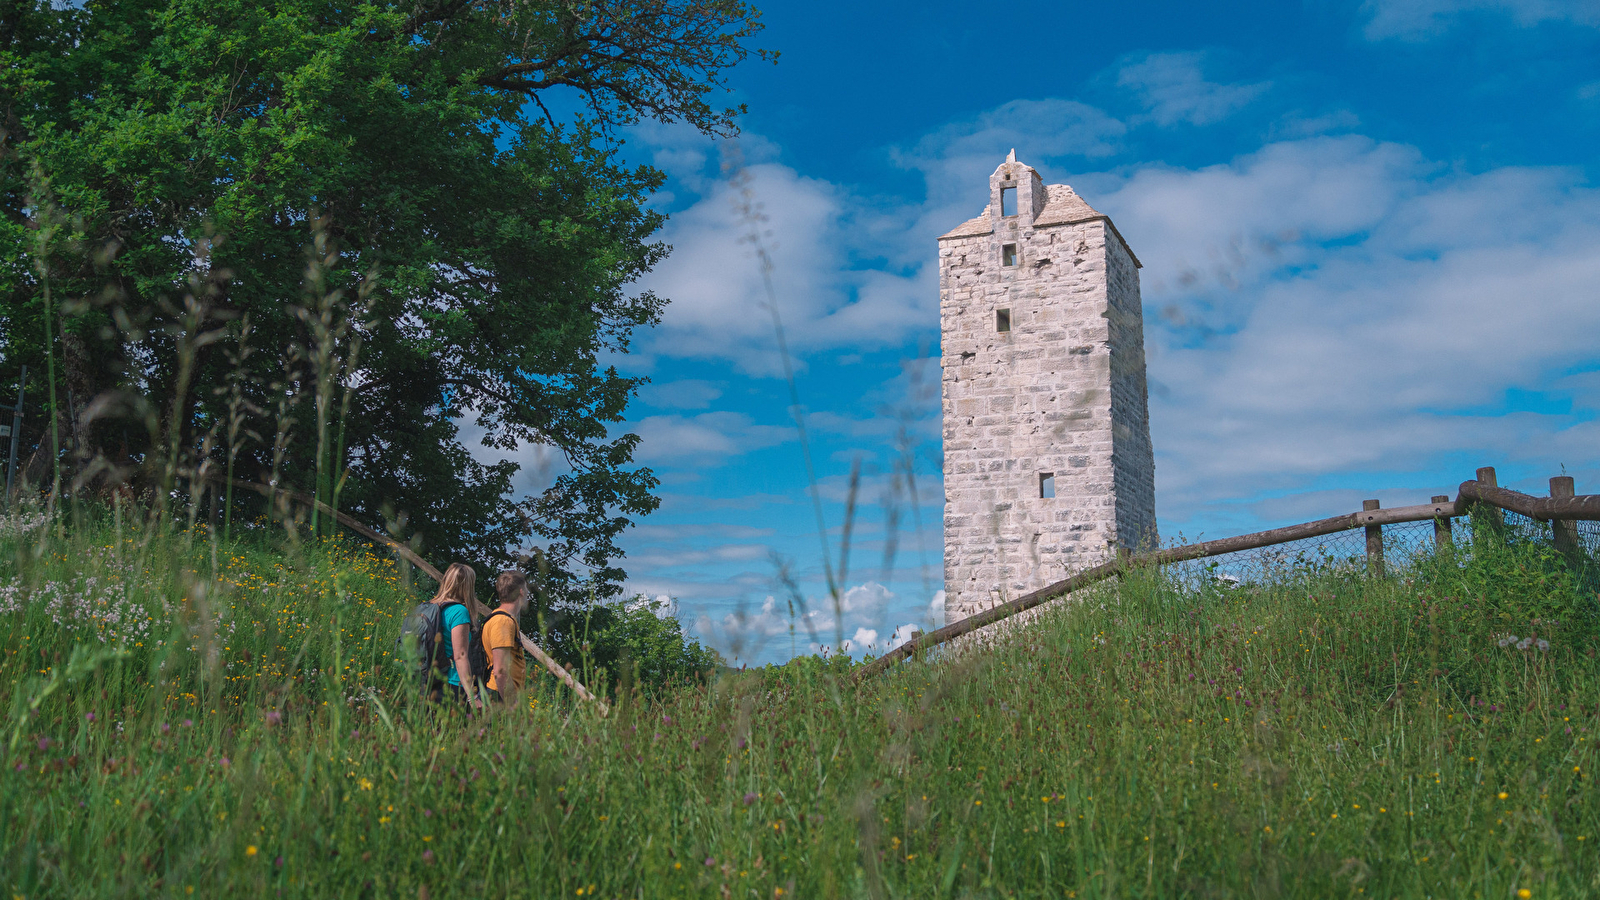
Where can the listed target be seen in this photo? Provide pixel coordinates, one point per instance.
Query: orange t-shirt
(501, 631)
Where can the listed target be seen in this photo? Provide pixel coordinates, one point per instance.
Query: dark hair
(509, 585)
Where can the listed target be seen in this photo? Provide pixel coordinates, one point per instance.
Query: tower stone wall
(1043, 375)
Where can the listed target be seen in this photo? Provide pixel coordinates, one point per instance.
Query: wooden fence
(1563, 507)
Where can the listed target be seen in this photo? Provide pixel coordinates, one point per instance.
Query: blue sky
(1371, 241)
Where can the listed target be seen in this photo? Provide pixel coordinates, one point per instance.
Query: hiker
(454, 601)
(508, 669)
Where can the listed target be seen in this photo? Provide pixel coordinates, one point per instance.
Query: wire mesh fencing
(1403, 546)
(1344, 551)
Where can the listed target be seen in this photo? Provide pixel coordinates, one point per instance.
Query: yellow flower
(1524, 893)
(250, 850)
(1502, 795)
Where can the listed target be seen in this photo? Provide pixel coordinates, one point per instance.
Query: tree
(472, 252)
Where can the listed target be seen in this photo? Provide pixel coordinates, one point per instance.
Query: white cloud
(684, 531)
(709, 438)
(1417, 20)
(682, 556)
(1348, 306)
(1172, 87)
(812, 231)
(684, 393)
(863, 640)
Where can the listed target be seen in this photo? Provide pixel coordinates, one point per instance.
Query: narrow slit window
(1047, 485)
(1002, 320)
(1008, 201)
(1008, 254)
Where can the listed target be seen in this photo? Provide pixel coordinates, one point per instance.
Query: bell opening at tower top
(1008, 201)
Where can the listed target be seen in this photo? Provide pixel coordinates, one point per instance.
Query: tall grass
(1322, 734)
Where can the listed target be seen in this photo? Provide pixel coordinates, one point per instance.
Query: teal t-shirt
(454, 614)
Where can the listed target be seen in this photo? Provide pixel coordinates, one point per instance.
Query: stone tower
(1048, 466)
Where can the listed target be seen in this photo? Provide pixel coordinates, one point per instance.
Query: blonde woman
(455, 600)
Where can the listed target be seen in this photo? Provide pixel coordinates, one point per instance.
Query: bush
(638, 641)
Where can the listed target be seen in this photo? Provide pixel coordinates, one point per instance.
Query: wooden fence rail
(1561, 507)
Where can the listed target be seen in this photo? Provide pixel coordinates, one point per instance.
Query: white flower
(20, 523)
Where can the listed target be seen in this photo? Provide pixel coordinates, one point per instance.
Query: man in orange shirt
(508, 669)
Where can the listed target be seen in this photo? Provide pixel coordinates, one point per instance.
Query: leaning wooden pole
(555, 668)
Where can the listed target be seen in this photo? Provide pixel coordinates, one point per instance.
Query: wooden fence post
(1497, 518)
(1441, 527)
(1374, 542)
(1565, 531)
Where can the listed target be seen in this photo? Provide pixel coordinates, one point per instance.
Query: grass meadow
(189, 719)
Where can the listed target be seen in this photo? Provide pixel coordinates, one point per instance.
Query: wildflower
(710, 861)
(165, 728)
(749, 798)
(1523, 893)
(427, 857)
(44, 743)
(1502, 795)
(88, 717)
(274, 717)
(250, 850)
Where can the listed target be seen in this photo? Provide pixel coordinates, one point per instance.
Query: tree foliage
(639, 642)
(165, 164)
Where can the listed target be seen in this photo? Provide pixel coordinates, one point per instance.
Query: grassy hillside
(1321, 735)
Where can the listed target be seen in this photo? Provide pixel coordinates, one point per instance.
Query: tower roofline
(1055, 213)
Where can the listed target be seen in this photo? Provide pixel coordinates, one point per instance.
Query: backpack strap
(483, 630)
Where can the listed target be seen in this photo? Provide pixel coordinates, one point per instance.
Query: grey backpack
(421, 645)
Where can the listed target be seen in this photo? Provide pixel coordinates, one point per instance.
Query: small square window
(1008, 201)
(1002, 320)
(1047, 485)
(1008, 254)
